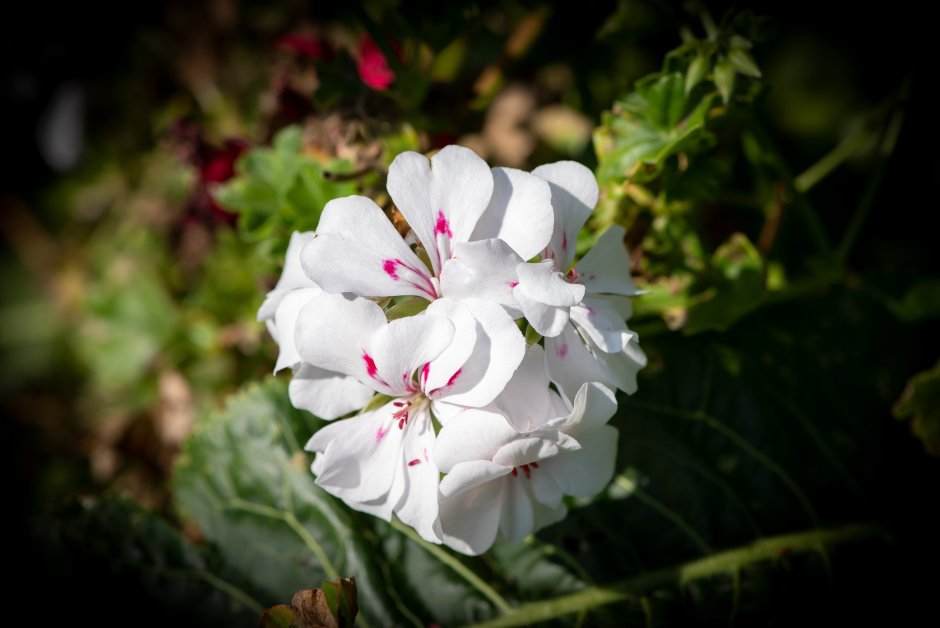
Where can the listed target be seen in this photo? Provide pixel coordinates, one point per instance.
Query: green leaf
(733, 287)
(697, 72)
(146, 566)
(723, 76)
(244, 478)
(743, 63)
(651, 124)
(920, 402)
(279, 190)
(407, 307)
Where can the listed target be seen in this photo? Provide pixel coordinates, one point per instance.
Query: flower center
(407, 408)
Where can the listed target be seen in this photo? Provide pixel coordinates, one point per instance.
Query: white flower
(509, 465)
(324, 393)
(454, 354)
(450, 199)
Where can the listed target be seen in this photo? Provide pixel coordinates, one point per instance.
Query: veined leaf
(244, 478)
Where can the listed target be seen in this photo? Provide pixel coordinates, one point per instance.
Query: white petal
(485, 269)
(358, 250)
(544, 487)
(516, 519)
(584, 472)
(519, 213)
(361, 455)
(548, 320)
(418, 505)
(403, 346)
(543, 283)
(535, 448)
(602, 324)
(606, 267)
(334, 332)
(327, 394)
(570, 363)
(284, 323)
(498, 351)
(441, 199)
(593, 406)
(447, 365)
(574, 195)
(527, 400)
(473, 434)
(471, 500)
(292, 277)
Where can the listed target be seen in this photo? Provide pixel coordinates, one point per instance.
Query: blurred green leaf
(244, 478)
(735, 286)
(743, 63)
(920, 402)
(723, 76)
(278, 190)
(651, 124)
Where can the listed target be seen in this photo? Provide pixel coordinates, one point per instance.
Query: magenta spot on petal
(453, 378)
(564, 242)
(424, 372)
(425, 451)
(562, 351)
(390, 266)
(380, 434)
(513, 284)
(370, 364)
(442, 227)
(412, 463)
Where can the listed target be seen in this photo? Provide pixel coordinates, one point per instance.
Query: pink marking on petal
(562, 351)
(564, 242)
(528, 473)
(390, 266)
(412, 463)
(513, 284)
(442, 227)
(514, 472)
(424, 373)
(380, 434)
(425, 451)
(370, 365)
(453, 378)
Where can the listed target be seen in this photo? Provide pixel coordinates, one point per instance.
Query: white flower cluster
(466, 438)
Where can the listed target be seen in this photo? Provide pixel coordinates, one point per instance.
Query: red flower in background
(373, 66)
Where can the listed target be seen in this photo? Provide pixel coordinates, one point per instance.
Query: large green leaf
(244, 478)
(116, 562)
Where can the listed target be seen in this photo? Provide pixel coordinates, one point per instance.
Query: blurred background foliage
(770, 168)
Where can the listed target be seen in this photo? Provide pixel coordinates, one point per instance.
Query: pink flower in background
(373, 66)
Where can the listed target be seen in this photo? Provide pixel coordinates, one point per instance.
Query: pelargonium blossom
(464, 438)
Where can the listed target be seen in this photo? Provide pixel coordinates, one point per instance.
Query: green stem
(850, 145)
(458, 567)
(634, 589)
(232, 591)
(665, 511)
(810, 218)
(886, 145)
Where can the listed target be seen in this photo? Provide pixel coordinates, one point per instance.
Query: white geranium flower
(509, 465)
(450, 199)
(454, 354)
(324, 393)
